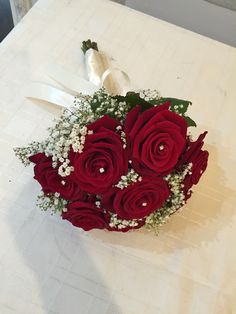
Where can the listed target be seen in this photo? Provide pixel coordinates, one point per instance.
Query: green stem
(86, 45)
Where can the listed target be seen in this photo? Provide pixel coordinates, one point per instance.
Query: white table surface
(46, 266)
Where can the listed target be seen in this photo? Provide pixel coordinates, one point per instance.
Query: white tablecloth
(46, 265)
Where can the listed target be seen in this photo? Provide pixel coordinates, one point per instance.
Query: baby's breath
(173, 203)
(23, 153)
(52, 201)
(122, 135)
(128, 179)
(122, 223)
(149, 94)
(103, 103)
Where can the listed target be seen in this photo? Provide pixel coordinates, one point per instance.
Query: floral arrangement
(118, 162)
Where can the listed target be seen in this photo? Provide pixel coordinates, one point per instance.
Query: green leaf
(87, 44)
(133, 99)
(179, 106)
(189, 121)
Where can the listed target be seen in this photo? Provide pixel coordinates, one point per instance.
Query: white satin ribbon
(125, 87)
(100, 73)
(50, 94)
(73, 85)
(96, 63)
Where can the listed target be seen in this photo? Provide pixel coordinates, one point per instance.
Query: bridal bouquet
(118, 162)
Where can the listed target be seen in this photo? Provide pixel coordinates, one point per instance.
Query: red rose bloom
(85, 215)
(157, 138)
(103, 159)
(137, 200)
(198, 168)
(51, 181)
(198, 157)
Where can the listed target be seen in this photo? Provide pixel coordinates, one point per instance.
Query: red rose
(198, 157)
(137, 200)
(157, 138)
(51, 181)
(103, 159)
(85, 215)
(198, 168)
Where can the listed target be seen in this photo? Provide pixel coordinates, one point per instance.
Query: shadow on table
(53, 268)
(208, 211)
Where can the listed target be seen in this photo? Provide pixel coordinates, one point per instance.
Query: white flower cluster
(65, 169)
(106, 104)
(77, 137)
(149, 95)
(23, 153)
(179, 109)
(175, 201)
(120, 110)
(122, 135)
(58, 144)
(82, 109)
(113, 107)
(126, 180)
(53, 201)
(121, 223)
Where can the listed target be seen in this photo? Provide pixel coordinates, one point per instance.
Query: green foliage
(87, 44)
(178, 106)
(133, 99)
(189, 121)
(102, 103)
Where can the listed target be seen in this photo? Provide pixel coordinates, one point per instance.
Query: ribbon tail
(50, 94)
(70, 82)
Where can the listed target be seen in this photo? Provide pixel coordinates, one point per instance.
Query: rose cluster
(120, 175)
